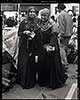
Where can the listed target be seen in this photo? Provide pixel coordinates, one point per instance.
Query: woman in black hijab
(52, 72)
(28, 48)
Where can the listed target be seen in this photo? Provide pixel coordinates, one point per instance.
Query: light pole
(18, 12)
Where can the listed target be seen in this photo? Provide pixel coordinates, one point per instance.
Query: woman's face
(44, 17)
(32, 13)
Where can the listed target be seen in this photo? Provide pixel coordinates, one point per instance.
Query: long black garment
(26, 59)
(52, 71)
(43, 72)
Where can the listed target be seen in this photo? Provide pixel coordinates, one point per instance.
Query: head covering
(45, 25)
(61, 6)
(30, 8)
(31, 23)
(45, 11)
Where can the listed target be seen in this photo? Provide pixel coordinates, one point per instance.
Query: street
(68, 91)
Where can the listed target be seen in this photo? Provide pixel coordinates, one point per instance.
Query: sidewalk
(41, 92)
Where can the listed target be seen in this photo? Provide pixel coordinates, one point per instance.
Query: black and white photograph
(40, 50)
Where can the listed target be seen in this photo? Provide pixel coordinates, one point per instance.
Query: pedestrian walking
(65, 30)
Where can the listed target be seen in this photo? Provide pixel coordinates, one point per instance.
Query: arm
(61, 24)
(54, 39)
(22, 28)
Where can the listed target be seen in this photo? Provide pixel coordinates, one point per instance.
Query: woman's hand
(31, 34)
(27, 32)
(50, 48)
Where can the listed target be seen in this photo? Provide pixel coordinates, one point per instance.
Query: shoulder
(22, 23)
(37, 20)
(25, 21)
(62, 13)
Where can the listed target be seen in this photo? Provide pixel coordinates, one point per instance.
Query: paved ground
(68, 91)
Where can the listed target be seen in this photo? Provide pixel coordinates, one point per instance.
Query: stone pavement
(45, 93)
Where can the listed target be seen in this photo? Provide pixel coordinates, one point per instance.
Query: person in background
(73, 45)
(28, 49)
(16, 20)
(10, 22)
(51, 73)
(13, 21)
(22, 17)
(75, 19)
(53, 19)
(55, 23)
(65, 31)
(70, 12)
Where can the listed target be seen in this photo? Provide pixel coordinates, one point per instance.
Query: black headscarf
(32, 23)
(30, 8)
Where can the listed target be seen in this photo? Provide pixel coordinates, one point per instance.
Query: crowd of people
(45, 47)
(10, 22)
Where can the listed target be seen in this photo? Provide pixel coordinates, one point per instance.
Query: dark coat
(26, 58)
(52, 71)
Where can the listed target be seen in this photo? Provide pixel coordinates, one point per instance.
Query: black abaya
(52, 71)
(26, 58)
